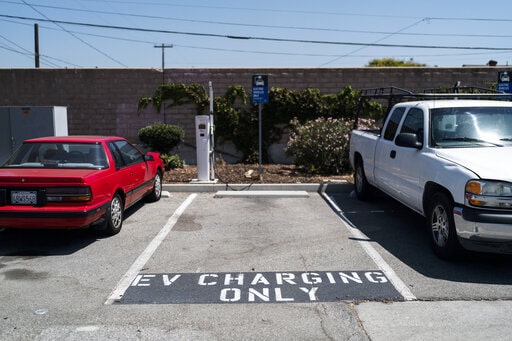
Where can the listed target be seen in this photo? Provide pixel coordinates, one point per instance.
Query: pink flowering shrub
(321, 145)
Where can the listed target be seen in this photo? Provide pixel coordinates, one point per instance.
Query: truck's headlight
(488, 193)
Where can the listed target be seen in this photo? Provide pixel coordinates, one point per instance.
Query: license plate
(23, 197)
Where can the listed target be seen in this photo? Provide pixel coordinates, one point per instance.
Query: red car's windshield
(58, 154)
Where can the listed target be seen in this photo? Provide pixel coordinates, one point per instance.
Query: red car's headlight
(68, 194)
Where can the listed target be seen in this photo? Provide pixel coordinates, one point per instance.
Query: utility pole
(36, 45)
(163, 47)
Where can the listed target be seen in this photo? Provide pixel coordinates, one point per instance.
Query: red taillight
(68, 194)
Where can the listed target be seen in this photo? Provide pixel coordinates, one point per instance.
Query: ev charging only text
(255, 287)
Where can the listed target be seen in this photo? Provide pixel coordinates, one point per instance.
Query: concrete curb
(261, 194)
(341, 186)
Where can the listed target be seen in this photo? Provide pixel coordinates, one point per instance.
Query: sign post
(259, 96)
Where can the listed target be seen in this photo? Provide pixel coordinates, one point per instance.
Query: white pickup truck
(449, 160)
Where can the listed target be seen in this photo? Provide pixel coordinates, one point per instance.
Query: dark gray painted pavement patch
(260, 287)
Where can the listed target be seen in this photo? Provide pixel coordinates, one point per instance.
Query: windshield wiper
(471, 139)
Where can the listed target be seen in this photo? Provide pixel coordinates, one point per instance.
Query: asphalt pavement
(264, 262)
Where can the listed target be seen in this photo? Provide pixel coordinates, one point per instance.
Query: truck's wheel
(362, 188)
(441, 227)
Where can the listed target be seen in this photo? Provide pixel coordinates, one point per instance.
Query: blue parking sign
(260, 89)
(504, 83)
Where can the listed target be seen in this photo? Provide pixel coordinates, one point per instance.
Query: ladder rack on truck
(394, 95)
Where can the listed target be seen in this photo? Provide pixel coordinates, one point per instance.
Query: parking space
(398, 235)
(261, 250)
(197, 266)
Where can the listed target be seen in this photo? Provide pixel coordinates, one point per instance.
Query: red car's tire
(114, 216)
(156, 193)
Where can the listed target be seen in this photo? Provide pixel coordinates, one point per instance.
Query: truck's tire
(441, 227)
(362, 188)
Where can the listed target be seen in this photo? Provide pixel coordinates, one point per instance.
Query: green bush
(172, 161)
(321, 145)
(161, 137)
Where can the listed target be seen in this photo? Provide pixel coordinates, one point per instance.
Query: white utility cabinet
(20, 123)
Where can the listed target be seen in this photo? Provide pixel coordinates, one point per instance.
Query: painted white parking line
(362, 239)
(141, 261)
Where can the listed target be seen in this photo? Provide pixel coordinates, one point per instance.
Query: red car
(75, 182)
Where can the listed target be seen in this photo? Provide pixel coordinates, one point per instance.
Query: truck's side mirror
(408, 140)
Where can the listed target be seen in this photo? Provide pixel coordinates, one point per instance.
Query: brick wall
(104, 101)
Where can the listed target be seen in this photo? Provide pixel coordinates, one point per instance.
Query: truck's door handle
(392, 154)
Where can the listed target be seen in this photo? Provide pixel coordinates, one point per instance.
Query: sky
(259, 34)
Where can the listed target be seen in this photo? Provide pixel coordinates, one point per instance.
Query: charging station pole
(205, 145)
(212, 135)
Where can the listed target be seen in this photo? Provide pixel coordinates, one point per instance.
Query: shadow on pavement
(30, 243)
(402, 233)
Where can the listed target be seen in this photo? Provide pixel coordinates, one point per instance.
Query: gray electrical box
(20, 123)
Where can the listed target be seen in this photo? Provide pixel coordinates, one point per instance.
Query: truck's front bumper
(484, 230)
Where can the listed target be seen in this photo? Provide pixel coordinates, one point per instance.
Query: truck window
(392, 126)
(465, 126)
(413, 123)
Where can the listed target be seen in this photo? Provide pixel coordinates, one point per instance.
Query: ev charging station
(205, 145)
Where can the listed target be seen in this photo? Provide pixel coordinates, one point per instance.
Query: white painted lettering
(136, 280)
(280, 298)
(230, 295)
(204, 279)
(259, 279)
(311, 278)
(376, 277)
(311, 293)
(264, 295)
(282, 277)
(354, 277)
(237, 278)
(142, 280)
(330, 277)
(168, 281)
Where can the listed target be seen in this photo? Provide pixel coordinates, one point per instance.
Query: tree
(391, 62)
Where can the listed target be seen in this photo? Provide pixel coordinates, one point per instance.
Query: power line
(234, 8)
(304, 28)
(148, 42)
(45, 58)
(57, 23)
(471, 19)
(290, 10)
(23, 51)
(379, 40)
(262, 52)
(289, 40)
